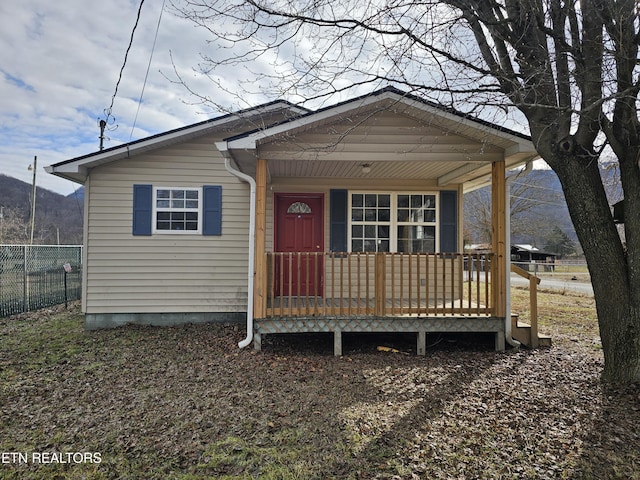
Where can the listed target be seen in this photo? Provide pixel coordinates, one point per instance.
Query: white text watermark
(50, 457)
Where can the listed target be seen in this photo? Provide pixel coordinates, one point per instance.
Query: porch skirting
(419, 325)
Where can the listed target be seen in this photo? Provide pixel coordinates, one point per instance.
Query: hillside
(58, 218)
(538, 211)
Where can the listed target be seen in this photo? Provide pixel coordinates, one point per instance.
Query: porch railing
(378, 284)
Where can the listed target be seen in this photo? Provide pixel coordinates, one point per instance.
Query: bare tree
(15, 226)
(531, 199)
(570, 68)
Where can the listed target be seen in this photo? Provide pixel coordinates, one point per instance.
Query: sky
(59, 65)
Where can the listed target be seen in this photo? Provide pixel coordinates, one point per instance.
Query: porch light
(366, 167)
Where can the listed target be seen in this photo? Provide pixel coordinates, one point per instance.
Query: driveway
(553, 284)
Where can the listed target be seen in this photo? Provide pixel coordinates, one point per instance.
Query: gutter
(222, 147)
(507, 321)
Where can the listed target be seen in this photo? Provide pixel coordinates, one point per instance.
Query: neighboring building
(530, 258)
(343, 219)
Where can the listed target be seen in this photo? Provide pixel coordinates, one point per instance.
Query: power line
(529, 185)
(535, 200)
(104, 123)
(144, 84)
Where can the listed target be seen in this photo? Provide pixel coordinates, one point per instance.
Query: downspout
(507, 321)
(222, 147)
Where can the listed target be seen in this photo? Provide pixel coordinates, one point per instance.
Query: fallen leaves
(166, 402)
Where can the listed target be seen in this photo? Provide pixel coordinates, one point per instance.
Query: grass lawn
(185, 403)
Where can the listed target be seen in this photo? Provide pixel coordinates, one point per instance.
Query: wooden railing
(377, 284)
(534, 281)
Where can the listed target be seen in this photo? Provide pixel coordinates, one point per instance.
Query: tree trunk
(618, 314)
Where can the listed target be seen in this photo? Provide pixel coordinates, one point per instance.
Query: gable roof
(389, 92)
(462, 153)
(255, 130)
(76, 169)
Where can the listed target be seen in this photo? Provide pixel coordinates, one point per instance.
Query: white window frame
(393, 224)
(154, 228)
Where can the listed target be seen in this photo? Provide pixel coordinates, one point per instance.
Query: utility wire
(113, 98)
(533, 200)
(144, 84)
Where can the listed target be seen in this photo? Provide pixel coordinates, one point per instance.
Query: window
(188, 210)
(416, 226)
(177, 210)
(385, 222)
(370, 222)
(299, 207)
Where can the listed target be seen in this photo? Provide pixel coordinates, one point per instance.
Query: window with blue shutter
(448, 221)
(212, 210)
(171, 210)
(338, 222)
(142, 209)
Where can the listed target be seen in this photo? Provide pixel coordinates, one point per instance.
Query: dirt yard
(186, 403)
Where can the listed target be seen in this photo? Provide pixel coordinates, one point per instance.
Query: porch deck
(378, 292)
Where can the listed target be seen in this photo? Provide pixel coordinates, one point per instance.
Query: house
(344, 219)
(532, 259)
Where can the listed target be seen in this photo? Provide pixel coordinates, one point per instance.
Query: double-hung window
(416, 223)
(177, 210)
(370, 222)
(393, 222)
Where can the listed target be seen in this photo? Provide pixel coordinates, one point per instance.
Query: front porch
(369, 292)
(358, 218)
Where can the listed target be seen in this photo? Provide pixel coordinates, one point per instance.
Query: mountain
(538, 211)
(78, 194)
(58, 219)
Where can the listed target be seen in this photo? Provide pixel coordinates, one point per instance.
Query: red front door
(299, 229)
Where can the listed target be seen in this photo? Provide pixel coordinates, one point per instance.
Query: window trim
(154, 212)
(393, 224)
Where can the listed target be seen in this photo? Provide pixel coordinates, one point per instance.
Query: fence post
(25, 289)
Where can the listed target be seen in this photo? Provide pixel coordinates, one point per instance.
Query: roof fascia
(83, 163)
(250, 140)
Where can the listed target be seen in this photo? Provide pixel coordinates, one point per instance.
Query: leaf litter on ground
(184, 402)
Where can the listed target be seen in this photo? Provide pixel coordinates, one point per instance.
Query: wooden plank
(281, 257)
(271, 294)
(319, 276)
(426, 284)
(523, 273)
(329, 300)
(410, 286)
(380, 284)
(393, 284)
(418, 280)
(499, 237)
(460, 262)
(533, 314)
(260, 281)
(401, 284)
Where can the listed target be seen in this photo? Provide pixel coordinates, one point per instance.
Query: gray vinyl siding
(165, 273)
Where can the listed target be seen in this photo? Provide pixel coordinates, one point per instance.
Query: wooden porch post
(499, 238)
(260, 283)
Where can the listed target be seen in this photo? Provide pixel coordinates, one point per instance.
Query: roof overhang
(78, 168)
(469, 164)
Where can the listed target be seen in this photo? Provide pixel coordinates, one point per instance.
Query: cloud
(59, 64)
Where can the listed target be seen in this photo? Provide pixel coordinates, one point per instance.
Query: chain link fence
(38, 276)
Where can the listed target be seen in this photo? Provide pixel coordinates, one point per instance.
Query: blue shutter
(338, 220)
(142, 209)
(212, 210)
(448, 221)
